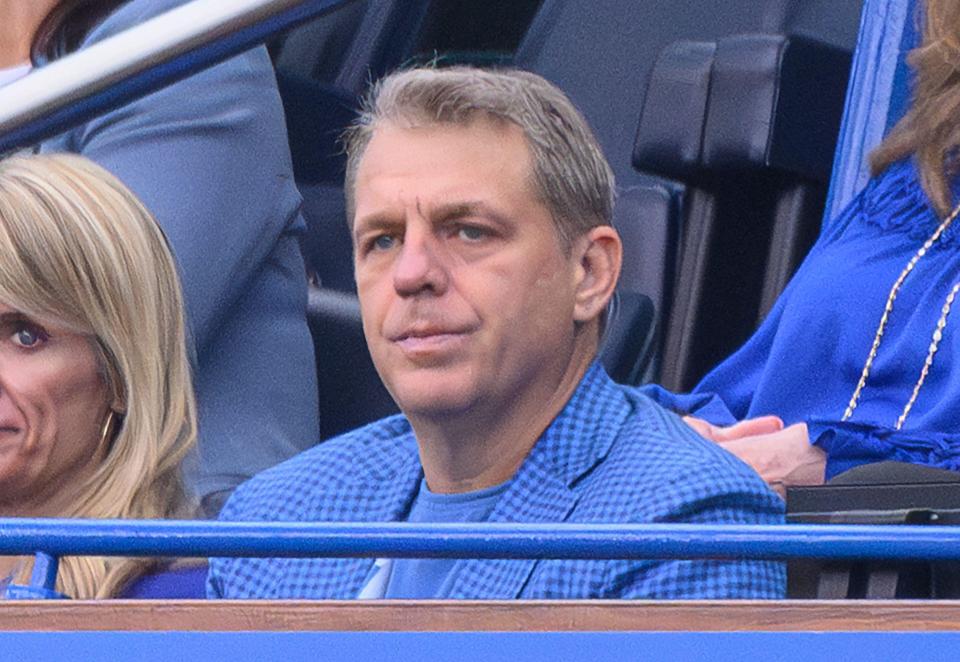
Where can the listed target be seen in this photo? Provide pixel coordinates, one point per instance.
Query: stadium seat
(647, 218)
(354, 44)
(351, 393)
(327, 247)
(626, 347)
(601, 52)
(316, 115)
(570, 41)
(748, 125)
(316, 49)
(881, 493)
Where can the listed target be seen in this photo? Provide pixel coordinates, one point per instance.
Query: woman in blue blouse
(860, 353)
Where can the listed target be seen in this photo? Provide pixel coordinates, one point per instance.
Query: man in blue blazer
(480, 207)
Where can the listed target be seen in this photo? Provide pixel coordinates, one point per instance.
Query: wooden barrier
(436, 631)
(464, 616)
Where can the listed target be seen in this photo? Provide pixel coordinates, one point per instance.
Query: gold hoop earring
(106, 431)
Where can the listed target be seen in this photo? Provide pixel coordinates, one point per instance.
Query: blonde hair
(930, 130)
(78, 249)
(570, 173)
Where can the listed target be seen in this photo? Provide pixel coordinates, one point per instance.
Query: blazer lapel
(388, 475)
(542, 491)
(536, 495)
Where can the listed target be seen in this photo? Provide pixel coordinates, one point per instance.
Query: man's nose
(420, 266)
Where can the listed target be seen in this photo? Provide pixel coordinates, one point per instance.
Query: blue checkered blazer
(611, 455)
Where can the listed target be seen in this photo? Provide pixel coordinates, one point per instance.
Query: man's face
(466, 293)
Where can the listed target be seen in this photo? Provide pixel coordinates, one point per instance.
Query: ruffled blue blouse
(804, 361)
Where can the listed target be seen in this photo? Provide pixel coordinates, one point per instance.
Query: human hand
(748, 427)
(782, 458)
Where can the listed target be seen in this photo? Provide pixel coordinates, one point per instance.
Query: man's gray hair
(570, 173)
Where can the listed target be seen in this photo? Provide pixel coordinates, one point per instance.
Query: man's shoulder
(294, 489)
(659, 464)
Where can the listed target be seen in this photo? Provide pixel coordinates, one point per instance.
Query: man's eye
(383, 243)
(28, 336)
(471, 233)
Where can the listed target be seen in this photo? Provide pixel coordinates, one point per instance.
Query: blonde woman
(208, 156)
(96, 403)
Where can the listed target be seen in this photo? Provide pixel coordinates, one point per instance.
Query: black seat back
(752, 142)
(351, 393)
(880, 493)
(573, 42)
(601, 52)
(353, 45)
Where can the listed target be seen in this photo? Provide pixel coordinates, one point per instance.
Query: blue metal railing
(144, 58)
(60, 537)
(50, 539)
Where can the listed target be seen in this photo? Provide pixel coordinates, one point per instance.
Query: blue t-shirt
(432, 578)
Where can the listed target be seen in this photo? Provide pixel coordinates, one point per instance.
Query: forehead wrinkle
(480, 208)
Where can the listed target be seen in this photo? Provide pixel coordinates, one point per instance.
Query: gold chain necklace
(888, 308)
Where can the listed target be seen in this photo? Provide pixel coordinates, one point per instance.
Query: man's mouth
(430, 339)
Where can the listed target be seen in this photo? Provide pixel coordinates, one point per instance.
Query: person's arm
(707, 407)
(847, 445)
(782, 457)
(809, 453)
(208, 157)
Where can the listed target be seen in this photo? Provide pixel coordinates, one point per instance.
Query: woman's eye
(28, 336)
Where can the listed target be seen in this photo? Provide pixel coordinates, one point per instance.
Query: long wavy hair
(930, 130)
(77, 249)
(67, 25)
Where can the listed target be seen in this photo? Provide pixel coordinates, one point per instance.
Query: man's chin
(435, 399)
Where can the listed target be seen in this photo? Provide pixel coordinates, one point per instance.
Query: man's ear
(600, 254)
